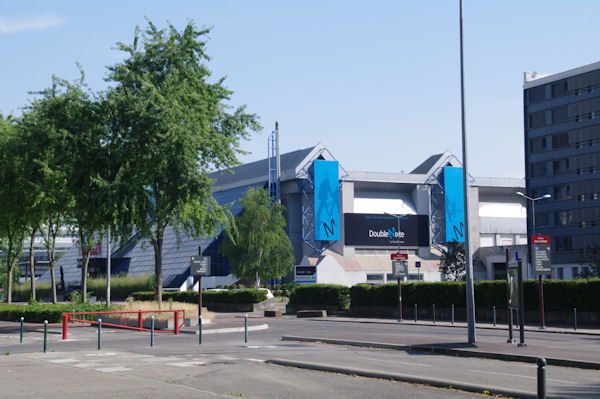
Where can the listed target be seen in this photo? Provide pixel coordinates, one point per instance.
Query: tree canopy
(257, 245)
(452, 262)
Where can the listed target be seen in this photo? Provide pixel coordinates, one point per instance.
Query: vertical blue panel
(327, 200)
(455, 209)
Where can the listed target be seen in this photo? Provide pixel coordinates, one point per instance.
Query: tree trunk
(53, 283)
(85, 252)
(158, 244)
(32, 263)
(9, 269)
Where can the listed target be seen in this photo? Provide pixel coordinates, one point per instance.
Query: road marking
(186, 364)
(162, 359)
(397, 361)
(256, 360)
(522, 376)
(112, 369)
(261, 346)
(101, 354)
(84, 365)
(62, 361)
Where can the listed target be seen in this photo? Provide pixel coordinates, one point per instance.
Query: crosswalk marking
(112, 369)
(63, 361)
(186, 364)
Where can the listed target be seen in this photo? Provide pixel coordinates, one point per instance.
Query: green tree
(171, 127)
(257, 245)
(13, 224)
(589, 257)
(452, 262)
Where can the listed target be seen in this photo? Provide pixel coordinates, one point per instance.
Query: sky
(377, 82)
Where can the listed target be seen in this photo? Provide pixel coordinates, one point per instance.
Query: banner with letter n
(455, 204)
(327, 200)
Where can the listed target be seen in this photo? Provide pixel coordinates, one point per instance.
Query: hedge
(321, 294)
(559, 295)
(237, 296)
(37, 313)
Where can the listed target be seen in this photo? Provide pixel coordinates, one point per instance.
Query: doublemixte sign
(382, 231)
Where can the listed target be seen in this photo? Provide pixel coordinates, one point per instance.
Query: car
(269, 293)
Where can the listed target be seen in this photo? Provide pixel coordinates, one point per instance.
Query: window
(536, 94)
(560, 114)
(560, 140)
(559, 88)
(562, 192)
(560, 273)
(560, 166)
(539, 169)
(563, 244)
(537, 119)
(563, 218)
(375, 277)
(537, 144)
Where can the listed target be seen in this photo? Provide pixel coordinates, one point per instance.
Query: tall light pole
(398, 217)
(541, 289)
(468, 256)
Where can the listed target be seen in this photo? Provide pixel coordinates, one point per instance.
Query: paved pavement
(422, 358)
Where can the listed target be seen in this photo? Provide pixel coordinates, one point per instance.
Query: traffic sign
(200, 266)
(400, 268)
(399, 256)
(540, 248)
(418, 263)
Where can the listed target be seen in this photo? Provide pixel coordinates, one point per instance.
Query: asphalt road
(225, 365)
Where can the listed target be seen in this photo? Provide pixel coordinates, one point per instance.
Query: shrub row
(321, 294)
(37, 313)
(559, 295)
(120, 287)
(237, 296)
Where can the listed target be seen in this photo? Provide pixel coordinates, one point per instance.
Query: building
(359, 232)
(562, 159)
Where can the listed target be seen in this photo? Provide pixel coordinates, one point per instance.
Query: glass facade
(562, 156)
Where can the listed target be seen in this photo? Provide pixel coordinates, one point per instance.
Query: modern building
(342, 224)
(562, 159)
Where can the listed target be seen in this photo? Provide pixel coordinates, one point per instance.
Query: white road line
(101, 354)
(256, 360)
(523, 376)
(397, 361)
(162, 359)
(223, 357)
(186, 364)
(62, 361)
(84, 365)
(112, 369)
(261, 346)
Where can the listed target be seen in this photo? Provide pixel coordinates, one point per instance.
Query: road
(225, 365)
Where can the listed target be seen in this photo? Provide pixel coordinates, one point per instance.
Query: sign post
(200, 266)
(540, 246)
(522, 343)
(399, 270)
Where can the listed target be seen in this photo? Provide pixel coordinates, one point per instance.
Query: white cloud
(41, 22)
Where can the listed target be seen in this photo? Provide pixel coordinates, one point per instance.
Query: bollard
(200, 330)
(415, 312)
(21, 338)
(246, 328)
(541, 377)
(452, 314)
(140, 320)
(494, 314)
(176, 327)
(45, 335)
(99, 334)
(575, 319)
(434, 313)
(152, 332)
(518, 320)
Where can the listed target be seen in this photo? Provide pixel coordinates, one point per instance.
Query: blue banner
(455, 209)
(327, 200)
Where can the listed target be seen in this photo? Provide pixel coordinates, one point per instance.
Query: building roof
(426, 165)
(532, 79)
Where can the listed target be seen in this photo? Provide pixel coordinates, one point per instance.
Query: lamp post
(541, 289)
(398, 217)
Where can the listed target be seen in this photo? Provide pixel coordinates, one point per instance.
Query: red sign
(540, 239)
(399, 256)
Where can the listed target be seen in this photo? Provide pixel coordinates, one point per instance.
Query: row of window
(559, 115)
(578, 138)
(575, 85)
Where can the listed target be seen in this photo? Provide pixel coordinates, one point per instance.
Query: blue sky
(376, 82)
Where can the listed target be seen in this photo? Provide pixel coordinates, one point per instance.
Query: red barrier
(69, 317)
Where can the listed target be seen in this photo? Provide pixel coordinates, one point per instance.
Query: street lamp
(541, 290)
(398, 217)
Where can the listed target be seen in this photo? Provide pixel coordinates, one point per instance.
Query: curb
(226, 330)
(449, 352)
(439, 383)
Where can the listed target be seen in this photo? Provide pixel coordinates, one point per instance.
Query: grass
(191, 310)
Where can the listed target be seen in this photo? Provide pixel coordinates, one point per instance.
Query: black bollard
(200, 330)
(21, 338)
(152, 332)
(541, 377)
(45, 335)
(99, 334)
(246, 328)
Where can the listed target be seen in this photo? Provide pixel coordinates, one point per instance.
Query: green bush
(121, 286)
(22, 292)
(559, 295)
(321, 294)
(238, 296)
(37, 313)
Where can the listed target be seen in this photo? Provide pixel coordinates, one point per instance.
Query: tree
(13, 225)
(257, 245)
(171, 126)
(589, 257)
(452, 262)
